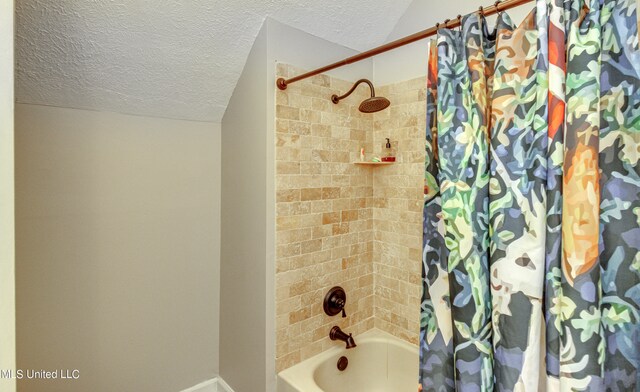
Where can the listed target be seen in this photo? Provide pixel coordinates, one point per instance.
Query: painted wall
(244, 221)
(117, 239)
(410, 61)
(7, 259)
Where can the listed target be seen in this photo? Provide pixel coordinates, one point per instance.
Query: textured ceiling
(168, 58)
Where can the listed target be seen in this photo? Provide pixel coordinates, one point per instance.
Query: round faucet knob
(335, 301)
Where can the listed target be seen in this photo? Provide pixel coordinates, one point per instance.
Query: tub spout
(337, 334)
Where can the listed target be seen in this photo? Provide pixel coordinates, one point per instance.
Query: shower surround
(397, 210)
(338, 223)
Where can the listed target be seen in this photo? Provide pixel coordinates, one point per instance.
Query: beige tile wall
(324, 232)
(397, 210)
(336, 222)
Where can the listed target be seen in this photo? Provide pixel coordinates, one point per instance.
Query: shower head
(369, 105)
(374, 104)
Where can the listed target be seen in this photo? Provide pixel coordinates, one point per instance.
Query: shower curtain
(531, 263)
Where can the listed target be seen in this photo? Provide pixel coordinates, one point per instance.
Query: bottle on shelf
(388, 154)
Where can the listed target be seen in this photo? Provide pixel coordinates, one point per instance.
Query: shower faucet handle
(338, 302)
(335, 301)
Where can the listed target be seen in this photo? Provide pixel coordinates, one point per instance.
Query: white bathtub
(379, 363)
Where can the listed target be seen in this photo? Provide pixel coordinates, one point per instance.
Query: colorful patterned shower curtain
(531, 260)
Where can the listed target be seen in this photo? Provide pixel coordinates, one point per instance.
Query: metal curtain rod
(497, 7)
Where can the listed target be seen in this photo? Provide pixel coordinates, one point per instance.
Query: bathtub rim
(299, 377)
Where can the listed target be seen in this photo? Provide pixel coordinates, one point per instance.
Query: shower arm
(497, 7)
(336, 99)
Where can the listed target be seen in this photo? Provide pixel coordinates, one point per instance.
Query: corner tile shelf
(373, 163)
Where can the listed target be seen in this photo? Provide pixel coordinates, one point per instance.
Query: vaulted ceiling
(168, 58)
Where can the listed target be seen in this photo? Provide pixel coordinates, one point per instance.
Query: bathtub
(379, 363)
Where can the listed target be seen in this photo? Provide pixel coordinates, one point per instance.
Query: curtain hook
(481, 11)
(446, 21)
(460, 22)
(497, 5)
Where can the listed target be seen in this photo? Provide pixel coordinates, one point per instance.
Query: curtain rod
(497, 7)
